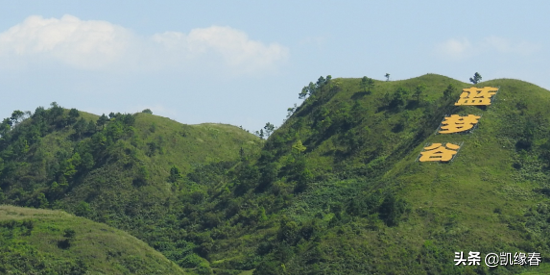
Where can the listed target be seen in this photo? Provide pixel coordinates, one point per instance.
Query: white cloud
(502, 45)
(233, 46)
(454, 48)
(100, 45)
(457, 49)
(80, 44)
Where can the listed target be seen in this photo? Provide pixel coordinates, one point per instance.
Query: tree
(418, 91)
(17, 116)
(391, 210)
(400, 97)
(39, 113)
(298, 146)
(5, 126)
(87, 161)
(387, 75)
(269, 128)
(304, 93)
(476, 79)
(311, 89)
(289, 112)
(91, 128)
(128, 119)
(175, 174)
(102, 120)
(142, 176)
(42, 201)
(242, 154)
(82, 209)
(367, 83)
(449, 91)
(76, 159)
(73, 115)
(80, 127)
(147, 111)
(55, 111)
(320, 82)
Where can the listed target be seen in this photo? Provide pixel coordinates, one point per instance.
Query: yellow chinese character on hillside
(456, 123)
(439, 152)
(476, 96)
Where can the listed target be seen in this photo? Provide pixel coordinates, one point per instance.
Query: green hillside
(380, 211)
(123, 170)
(36, 241)
(337, 189)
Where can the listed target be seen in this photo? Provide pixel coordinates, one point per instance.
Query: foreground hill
(36, 241)
(335, 190)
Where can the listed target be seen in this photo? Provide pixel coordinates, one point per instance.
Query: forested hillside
(124, 170)
(337, 189)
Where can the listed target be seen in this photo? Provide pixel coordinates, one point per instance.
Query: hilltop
(336, 189)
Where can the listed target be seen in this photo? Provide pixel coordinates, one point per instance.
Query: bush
(203, 269)
(69, 233)
(391, 210)
(192, 260)
(83, 209)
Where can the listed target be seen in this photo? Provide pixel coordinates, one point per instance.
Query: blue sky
(244, 62)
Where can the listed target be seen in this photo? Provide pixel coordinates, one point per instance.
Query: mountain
(38, 241)
(338, 188)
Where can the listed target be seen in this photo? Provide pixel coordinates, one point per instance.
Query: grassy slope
(95, 248)
(375, 125)
(480, 202)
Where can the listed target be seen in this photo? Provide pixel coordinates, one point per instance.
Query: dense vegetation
(336, 189)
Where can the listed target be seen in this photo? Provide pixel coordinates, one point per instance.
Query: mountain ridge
(335, 189)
